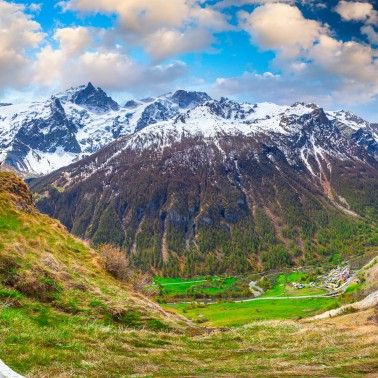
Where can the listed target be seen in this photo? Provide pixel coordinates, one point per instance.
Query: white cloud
(35, 7)
(351, 60)
(169, 42)
(72, 64)
(143, 22)
(18, 35)
(74, 40)
(281, 27)
(357, 11)
(363, 12)
(311, 62)
(371, 34)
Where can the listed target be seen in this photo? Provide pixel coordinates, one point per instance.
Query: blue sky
(250, 50)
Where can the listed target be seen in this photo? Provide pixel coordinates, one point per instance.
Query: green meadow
(231, 314)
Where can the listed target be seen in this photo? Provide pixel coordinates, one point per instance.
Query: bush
(119, 265)
(116, 261)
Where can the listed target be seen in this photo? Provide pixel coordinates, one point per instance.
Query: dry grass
(342, 347)
(43, 262)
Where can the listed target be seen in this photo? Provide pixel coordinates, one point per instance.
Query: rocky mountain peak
(185, 99)
(227, 109)
(94, 97)
(56, 105)
(131, 104)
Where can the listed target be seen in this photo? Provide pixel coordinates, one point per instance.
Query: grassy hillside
(46, 270)
(62, 347)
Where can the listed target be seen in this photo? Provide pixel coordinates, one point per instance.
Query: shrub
(119, 265)
(116, 261)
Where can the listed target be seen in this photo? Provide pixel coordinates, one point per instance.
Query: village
(334, 280)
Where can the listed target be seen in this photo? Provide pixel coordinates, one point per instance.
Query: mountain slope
(40, 263)
(40, 137)
(226, 187)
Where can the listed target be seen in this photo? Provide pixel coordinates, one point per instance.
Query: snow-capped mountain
(224, 186)
(40, 137)
(300, 130)
(43, 136)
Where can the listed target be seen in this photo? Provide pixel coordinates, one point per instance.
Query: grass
(46, 343)
(230, 314)
(42, 263)
(214, 287)
(179, 286)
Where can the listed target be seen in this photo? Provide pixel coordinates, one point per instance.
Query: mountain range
(37, 138)
(193, 185)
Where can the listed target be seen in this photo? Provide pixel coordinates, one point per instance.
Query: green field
(284, 286)
(181, 285)
(230, 313)
(225, 288)
(213, 287)
(236, 314)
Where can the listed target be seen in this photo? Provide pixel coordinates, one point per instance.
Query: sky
(280, 51)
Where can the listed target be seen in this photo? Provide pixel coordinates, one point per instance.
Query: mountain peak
(186, 99)
(94, 97)
(90, 86)
(90, 96)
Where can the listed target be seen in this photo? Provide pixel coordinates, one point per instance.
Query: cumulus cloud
(363, 12)
(74, 40)
(18, 35)
(73, 55)
(310, 60)
(169, 42)
(281, 27)
(143, 22)
(370, 33)
(357, 11)
(73, 62)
